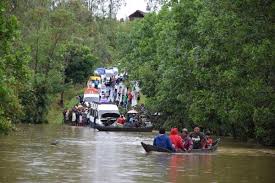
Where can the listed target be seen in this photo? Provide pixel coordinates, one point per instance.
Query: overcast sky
(131, 6)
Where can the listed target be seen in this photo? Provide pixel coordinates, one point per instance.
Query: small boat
(124, 129)
(150, 148)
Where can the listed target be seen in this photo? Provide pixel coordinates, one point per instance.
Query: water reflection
(189, 168)
(184, 168)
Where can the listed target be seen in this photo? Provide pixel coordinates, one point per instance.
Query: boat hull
(150, 148)
(124, 129)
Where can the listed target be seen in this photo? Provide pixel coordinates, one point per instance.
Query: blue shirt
(163, 141)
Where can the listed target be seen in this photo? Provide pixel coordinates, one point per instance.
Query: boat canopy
(94, 78)
(91, 98)
(110, 73)
(132, 112)
(91, 91)
(100, 71)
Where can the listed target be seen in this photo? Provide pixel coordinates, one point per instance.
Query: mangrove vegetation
(207, 63)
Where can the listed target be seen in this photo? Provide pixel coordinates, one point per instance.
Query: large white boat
(103, 114)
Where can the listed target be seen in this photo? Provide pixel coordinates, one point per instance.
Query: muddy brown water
(86, 155)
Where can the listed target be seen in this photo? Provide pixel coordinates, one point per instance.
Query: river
(86, 155)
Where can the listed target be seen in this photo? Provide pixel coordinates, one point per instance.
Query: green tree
(79, 64)
(14, 71)
(207, 63)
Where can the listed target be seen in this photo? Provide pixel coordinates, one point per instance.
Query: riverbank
(55, 115)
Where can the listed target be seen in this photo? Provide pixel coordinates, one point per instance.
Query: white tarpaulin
(109, 72)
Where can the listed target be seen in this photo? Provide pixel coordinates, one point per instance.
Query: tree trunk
(234, 133)
(61, 102)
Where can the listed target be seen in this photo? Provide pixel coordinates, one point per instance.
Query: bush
(5, 125)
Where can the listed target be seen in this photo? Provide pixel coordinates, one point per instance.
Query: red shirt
(121, 120)
(209, 142)
(130, 96)
(176, 139)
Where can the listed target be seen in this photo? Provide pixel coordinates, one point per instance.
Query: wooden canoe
(150, 148)
(124, 129)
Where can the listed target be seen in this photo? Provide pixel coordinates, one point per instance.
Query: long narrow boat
(150, 148)
(124, 129)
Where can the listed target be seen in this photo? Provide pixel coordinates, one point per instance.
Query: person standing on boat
(163, 141)
(125, 101)
(119, 91)
(138, 97)
(130, 97)
(198, 138)
(176, 139)
(96, 83)
(187, 141)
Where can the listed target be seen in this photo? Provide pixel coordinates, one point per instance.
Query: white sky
(131, 7)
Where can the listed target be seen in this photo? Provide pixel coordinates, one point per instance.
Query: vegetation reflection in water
(85, 155)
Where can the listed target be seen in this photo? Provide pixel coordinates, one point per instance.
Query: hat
(185, 130)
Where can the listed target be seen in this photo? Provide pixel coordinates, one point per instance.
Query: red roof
(90, 91)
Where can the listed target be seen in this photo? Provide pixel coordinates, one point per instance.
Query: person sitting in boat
(120, 121)
(176, 139)
(129, 121)
(163, 141)
(137, 123)
(132, 120)
(209, 140)
(198, 138)
(142, 108)
(187, 141)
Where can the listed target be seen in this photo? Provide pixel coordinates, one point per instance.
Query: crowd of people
(132, 120)
(115, 91)
(79, 115)
(185, 141)
(111, 90)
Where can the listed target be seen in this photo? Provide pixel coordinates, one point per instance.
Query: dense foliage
(79, 63)
(208, 63)
(45, 46)
(14, 73)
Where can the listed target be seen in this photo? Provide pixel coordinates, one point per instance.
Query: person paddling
(163, 141)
